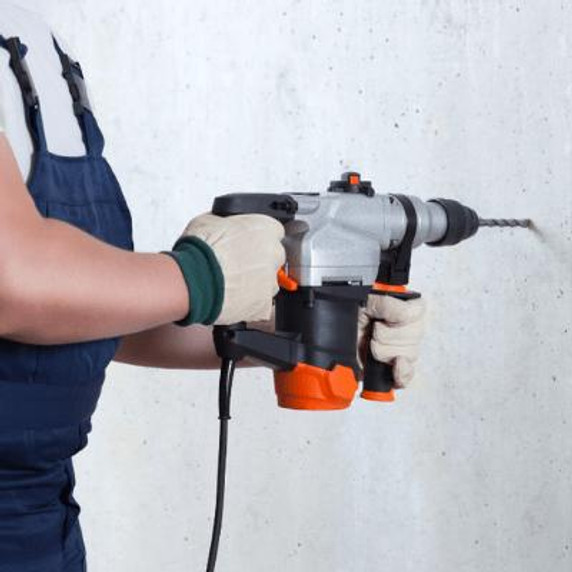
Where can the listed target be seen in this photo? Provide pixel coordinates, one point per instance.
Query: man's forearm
(172, 347)
(60, 285)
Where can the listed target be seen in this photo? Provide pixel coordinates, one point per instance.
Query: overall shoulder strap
(19, 67)
(73, 74)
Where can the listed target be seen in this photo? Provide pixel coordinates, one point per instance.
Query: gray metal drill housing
(338, 237)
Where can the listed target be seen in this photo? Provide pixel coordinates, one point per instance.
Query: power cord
(224, 396)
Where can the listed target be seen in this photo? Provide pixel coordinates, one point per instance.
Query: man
(74, 295)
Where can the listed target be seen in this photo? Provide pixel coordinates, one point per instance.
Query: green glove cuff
(204, 278)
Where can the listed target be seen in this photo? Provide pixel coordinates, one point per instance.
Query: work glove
(393, 329)
(230, 265)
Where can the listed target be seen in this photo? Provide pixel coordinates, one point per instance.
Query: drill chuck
(462, 222)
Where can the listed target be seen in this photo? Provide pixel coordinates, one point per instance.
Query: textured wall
(470, 471)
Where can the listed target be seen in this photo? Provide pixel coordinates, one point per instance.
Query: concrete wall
(470, 471)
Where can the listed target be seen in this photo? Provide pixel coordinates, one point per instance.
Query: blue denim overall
(48, 393)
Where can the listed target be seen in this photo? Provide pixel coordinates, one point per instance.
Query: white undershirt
(62, 130)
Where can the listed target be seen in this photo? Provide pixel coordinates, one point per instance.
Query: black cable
(224, 395)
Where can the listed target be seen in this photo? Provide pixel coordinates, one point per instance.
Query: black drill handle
(378, 377)
(283, 208)
(278, 206)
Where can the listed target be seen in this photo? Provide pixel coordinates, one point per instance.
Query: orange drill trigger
(286, 282)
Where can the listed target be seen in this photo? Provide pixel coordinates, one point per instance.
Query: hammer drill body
(341, 247)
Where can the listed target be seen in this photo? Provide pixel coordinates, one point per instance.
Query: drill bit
(506, 222)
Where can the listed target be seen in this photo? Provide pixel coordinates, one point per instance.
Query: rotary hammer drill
(341, 247)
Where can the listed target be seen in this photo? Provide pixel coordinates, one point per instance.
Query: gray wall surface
(471, 469)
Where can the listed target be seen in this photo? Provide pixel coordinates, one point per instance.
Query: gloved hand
(393, 329)
(230, 265)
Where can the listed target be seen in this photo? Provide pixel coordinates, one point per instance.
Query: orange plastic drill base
(378, 396)
(311, 388)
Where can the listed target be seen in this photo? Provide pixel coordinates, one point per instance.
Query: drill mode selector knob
(352, 183)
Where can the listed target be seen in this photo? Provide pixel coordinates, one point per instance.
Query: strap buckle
(73, 75)
(22, 72)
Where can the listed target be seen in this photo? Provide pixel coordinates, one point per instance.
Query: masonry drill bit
(505, 222)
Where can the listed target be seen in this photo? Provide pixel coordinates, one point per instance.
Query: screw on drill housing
(505, 222)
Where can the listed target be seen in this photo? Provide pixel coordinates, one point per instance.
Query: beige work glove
(249, 251)
(393, 329)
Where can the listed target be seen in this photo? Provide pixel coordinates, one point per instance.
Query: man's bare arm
(172, 347)
(60, 285)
